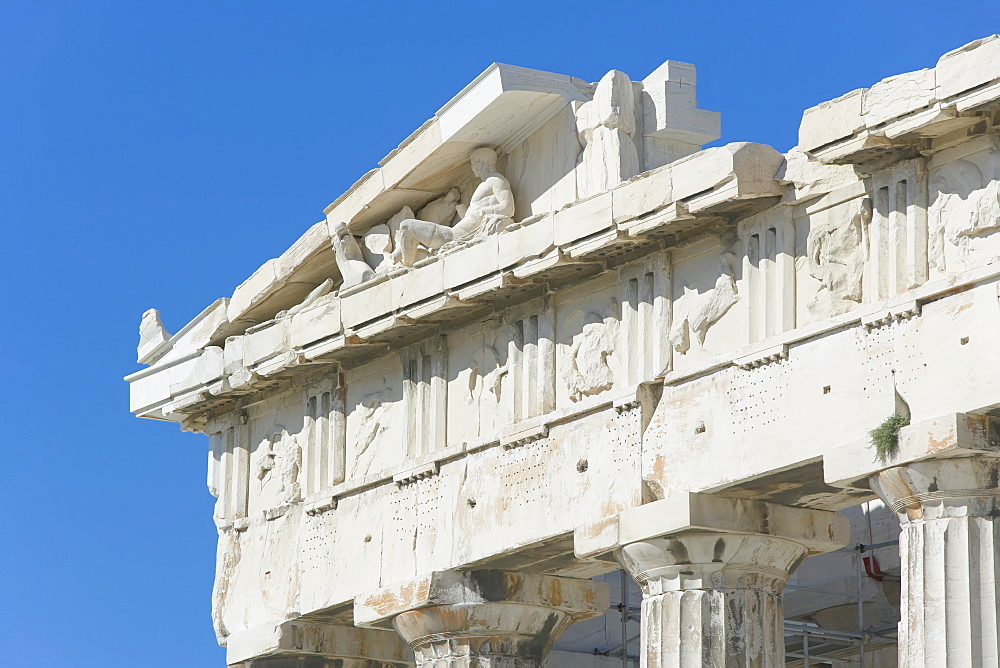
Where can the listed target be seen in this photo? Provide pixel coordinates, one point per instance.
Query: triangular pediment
(499, 108)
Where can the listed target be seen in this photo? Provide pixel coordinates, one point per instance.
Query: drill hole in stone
(964, 340)
(582, 466)
(471, 503)
(826, 389)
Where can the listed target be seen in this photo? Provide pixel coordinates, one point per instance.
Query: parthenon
(556, 385)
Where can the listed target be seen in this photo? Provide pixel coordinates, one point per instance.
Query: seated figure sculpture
(490, 208)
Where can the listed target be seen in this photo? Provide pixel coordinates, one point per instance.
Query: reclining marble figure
(489, 210)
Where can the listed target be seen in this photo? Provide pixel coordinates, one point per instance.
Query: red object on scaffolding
(872, 569)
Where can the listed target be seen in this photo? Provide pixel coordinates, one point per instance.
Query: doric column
(302, 644)
(712, 597)
(482, 619)
(950, 554)
(712, 572)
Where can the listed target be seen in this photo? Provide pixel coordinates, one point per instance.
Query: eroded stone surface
(591, 315)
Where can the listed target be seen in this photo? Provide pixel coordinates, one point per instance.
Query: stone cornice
(908, 114)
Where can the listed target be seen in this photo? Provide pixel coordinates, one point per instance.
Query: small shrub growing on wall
(885, 437)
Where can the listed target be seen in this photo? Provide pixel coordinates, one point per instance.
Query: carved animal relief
(487, 373)
(705, 309)
(837, 252)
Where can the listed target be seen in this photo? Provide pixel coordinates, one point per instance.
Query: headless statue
(350, 259)
(490, 208)
(442, 210)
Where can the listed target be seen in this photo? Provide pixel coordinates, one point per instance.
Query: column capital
(712, 570)
(711, 561)
(482, 617)
(941, 488)
(291, 642)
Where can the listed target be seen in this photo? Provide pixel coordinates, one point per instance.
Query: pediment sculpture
(489, 210)
(407, 238)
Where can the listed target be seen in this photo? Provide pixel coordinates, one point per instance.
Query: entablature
(705, 191)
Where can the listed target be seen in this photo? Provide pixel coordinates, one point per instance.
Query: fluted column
(712, 599)
(950, 553)
(482, 619)
(712, 571)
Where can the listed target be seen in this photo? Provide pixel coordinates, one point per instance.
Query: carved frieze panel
(479, 382)
(276, 469)
(376, 417)
(588, 335)
(964, 209)
(276, 438)
(835, 253)
(586, 365)
(705, 290)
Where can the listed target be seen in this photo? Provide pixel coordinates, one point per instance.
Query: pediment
(499, 108)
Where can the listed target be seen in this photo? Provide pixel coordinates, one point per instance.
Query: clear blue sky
(156, 153)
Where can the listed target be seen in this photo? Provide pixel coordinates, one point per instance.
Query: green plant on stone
(885, 437)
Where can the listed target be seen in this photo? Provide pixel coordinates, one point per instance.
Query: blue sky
(153, 154)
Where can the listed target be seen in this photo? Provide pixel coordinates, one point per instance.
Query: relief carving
(374, 422)
(489, 210)
(284, 454)
(605, 126)
(487, 371)
(837, 252)
(703, 311)
(965, 206)
(586, 367)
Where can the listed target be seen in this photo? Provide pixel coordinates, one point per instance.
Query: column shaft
(950, 553)
(691, 629)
